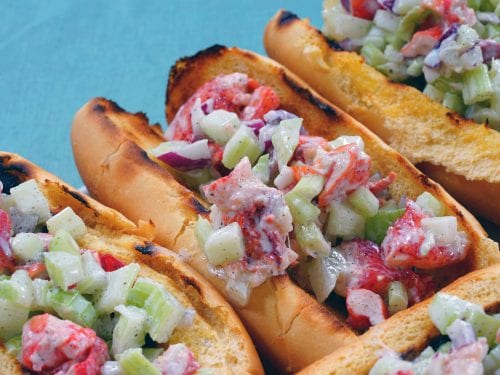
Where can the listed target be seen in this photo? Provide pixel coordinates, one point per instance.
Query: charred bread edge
(203, 297)
(412, 331)
(475, 185)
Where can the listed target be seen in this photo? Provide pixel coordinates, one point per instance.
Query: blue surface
(56, 55)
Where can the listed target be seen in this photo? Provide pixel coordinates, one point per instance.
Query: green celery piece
(261, 169)
(72, 306)
(14, 345)
(63, 241)
(203, 229)
(454, 102)
(164, 314)
(311, 240)
(376, 226)
(309, 186)
(142, 290)
(104, 326)
(474, 4)
(373, 55)
(9, 290)
(302, 210)
(484, 325)
(285, 140)
(446, 308)
(410, 21)
(63, 268)
(242, 143)
(12, 319)
(130, 331)
(133, 362)
(477, 85)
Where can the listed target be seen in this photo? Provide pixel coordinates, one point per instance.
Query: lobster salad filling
(470, 343)
(70, 310)
(453, 45)
(283, 200)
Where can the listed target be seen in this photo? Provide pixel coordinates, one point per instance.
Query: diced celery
(443, 228)
(322, 278)
(339, 25)
(14, 345)
(445, 308)
(152, 353)
(69, 221)
(41, 290)
(433, 92)
(27, 247)
(311, 240)
(404, 6)
(375, 38)
(12, 319)
(397, 297)
(416, 66)
(63, 241)
(95, 278)
(344, 222)
(346, 140)
(24, 286)
(225, 245)
(143, 288)
(429, 204)
(72, 306)
(220, 125)
(386, 20)
(105, 325)
(64, 269)
(474, 4)
(130, 331)
(116, 291)
(243, 143)
(484, 325)
(164, 315)
(309, 186)
(410, 21)
(454, 102)
(285, 139)
(193, 179)
(376, 226)
(302, 210)
(9, 290)
(30, 200)
(203, 229)
(132, 362)
(364, 201)
(373, 55)
(492, 361)
(390, 364)
(262, 170)
(477, 85)
(7, 201)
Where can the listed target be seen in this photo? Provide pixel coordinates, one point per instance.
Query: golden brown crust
(408, 332)
(463, 156)
(118, 172)
(122, 164)
(230, 349)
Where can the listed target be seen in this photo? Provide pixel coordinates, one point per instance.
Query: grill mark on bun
(147, 249)
(198, 207)
(286, 17)
(189, 281)
(13, 173)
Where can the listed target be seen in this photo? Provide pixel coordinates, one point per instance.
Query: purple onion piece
(461, 334)
(275, 117)
(452, 30)
(207, 106)
(432, 60)
(255, 125)
(386, 4)
(347, 5)
(490, 49)
(183, 163)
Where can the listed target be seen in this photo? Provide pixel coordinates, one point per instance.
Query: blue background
(56, 55)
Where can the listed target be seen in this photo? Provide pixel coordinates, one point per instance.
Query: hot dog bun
(461, 155)
(286, 323)
(410, 331)
(217, 337)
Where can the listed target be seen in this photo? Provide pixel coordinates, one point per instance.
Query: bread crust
(461, 155)
(110, 162)
(230, 348)
(411, 332)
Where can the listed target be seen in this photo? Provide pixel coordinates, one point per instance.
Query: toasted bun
(459, 154)
(410, 331)
(286, 323)
(217, 337)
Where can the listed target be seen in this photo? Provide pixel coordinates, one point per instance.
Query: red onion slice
(187, 156)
